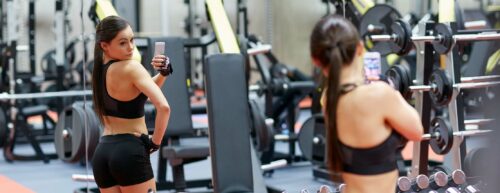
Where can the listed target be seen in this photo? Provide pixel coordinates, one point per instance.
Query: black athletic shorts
(121, 160)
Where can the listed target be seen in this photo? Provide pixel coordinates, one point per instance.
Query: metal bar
(429, 136)
(381, 38)
(470, 132)
(480, 78)
(83, 178)
(477, 121)
(476, 37)
(476, 85)
(5, 96)
(421, 88)
(259, 49)
(425, 38)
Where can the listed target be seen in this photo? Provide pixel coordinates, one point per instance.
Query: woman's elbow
(163, 108)
(417, 134)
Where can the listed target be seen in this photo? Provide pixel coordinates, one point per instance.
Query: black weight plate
(4, 132)
(262, 134)
(78, 131)
(444, 90)
(446, 43)
(400, 77)
(305, 137)
(94, 131)
(62, 137)
(475, 161)
(318, 148)
(403, 43)
(444, 141)
(382, 16)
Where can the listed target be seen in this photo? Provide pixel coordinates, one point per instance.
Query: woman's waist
(385, 182)
(114, 126)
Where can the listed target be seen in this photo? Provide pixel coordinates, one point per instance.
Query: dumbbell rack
(425, 63)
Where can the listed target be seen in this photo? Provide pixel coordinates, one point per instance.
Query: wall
(284, 24)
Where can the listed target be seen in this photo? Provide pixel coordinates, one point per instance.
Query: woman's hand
(159, 61)
(148, 142)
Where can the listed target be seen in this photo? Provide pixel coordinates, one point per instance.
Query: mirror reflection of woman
(366, 124)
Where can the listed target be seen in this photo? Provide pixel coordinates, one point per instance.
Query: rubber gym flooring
(55, 177)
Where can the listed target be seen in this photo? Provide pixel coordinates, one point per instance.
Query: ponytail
(334, 161)
(97, 82)
(106, 31)
(333, 46)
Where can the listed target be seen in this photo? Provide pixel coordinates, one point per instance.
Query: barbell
(7, 96)
(440, 87)
(401, 39)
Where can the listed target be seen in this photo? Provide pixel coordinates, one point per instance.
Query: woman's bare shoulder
(377, 91)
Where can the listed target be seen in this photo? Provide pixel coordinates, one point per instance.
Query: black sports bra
(375, 160)
(123, 109)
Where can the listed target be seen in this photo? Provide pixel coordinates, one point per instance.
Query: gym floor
(55, 177)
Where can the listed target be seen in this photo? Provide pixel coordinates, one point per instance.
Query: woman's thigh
(145, 187)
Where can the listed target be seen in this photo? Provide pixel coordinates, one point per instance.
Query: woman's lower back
(116, 125)
(380, 183)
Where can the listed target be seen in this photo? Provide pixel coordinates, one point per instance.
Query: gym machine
(15, 121)
(444, 90)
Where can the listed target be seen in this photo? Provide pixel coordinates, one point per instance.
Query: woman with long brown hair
(121, 86)
(366, 123)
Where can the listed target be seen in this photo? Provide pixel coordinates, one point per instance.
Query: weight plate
(381, 17)
(62, 137)
(305, 137)
(4, 132)
(442, 139)
(262, 134)
(400, 78)
(443, 92)
(70, 134)
(474, 161)
(446, 43)
(403, 43)
(319, 141)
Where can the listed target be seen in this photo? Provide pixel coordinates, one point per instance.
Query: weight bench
(26, 129)
(180, 124)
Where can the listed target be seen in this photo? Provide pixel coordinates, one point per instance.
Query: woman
(121, 86)
(364, 121)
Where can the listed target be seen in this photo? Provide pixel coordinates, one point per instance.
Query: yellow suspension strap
(446, 14)
(363, 5)
(222, 28)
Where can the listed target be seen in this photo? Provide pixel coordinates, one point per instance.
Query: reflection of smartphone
(373, 67)
(160, 50)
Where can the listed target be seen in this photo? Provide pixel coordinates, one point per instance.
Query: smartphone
(160, 50)
(372, 62)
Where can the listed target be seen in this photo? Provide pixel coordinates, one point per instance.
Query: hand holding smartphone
(166, 68)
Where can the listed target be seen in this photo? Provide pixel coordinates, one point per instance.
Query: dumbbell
(468, 189)
(404, 184)
(456, 178)
(438, 180)
(326, 189)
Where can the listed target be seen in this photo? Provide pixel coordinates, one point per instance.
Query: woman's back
(121, 89)
(365, 124)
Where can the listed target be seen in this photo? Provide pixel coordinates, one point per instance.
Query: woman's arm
(141, 79)
(400, 115)
(157, 62)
